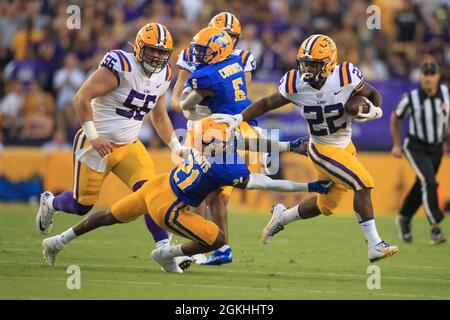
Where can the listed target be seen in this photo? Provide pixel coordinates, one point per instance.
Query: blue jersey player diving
(212, 163)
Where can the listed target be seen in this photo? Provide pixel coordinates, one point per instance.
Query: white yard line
(264, 273)
(244, 288)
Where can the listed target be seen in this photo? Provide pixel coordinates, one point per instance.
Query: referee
(428, 111)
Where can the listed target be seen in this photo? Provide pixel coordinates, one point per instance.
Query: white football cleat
(44, 217)
(52, 246)
(199, 258)
(274, 226)
(381, 250)
(168, 263)
(184, 262)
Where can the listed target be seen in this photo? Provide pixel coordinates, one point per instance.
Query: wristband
(89, 130)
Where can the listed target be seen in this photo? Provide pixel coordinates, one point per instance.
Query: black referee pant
(425, 160)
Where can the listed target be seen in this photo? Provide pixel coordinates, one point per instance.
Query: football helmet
(153, 47)
(318, 51)
(210, 137)
(228, 22)
(210, 45)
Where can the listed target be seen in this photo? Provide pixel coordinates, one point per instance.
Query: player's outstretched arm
(260, 144)
(98, 84)
(254, 110)
(183, 76)
(263, 182)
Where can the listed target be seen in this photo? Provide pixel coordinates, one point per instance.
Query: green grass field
(324, 258)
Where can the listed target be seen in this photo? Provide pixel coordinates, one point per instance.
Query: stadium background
(43, 63)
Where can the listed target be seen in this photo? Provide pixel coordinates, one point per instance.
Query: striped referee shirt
(428, 116)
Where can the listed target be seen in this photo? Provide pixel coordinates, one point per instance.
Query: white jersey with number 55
(323, 109)
(118, 114)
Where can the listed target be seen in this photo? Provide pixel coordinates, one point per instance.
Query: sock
(224, 248)
(370, 231)
(157, 232)
(67, 236)
(162, 243)
(175, 251)
(290, 215)
(65, 202)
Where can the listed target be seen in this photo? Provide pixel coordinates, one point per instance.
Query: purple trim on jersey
(185, 56)
(78, 171)
(126, 59)
(120, 59)
(349, 76)
(341, 77)
(339, 165)
(332, 173)
(286, 85)
(246, 59)
(294, 85)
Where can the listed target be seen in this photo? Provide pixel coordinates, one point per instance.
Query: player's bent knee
(220, 241)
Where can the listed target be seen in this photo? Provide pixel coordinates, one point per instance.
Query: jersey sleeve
(404, 107)
(288, 84)
(350, 75)
(237, 174)
(248, 60)
(183, 61)
(116, 62)
(201, 80)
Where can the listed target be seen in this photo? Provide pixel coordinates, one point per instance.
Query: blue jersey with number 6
(198, 176)
(226, 80)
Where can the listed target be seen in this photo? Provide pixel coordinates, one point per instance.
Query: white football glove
(199, 112)
(373, 114)
(233, 122)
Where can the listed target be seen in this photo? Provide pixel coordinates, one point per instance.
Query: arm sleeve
(248, 61)
(183, 61)
(403, 108)
(355, 76)
(114, 61)
(288, 84)
(262, 182)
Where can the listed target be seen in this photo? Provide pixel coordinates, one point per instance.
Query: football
(355, 105)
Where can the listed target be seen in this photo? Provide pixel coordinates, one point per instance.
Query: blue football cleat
(219, 257)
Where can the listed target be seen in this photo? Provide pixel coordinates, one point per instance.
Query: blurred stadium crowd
(43, 63)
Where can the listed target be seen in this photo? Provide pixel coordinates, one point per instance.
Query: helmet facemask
(199, 55)
(154, 59)
(319, 65)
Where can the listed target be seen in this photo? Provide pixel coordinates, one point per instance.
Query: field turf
(324, 258)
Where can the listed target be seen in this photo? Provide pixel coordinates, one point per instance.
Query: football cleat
(184, 262)
(219, 257)
(199, 258)
(44, 217)
(52, 246)
(436, 236)
(404, 228)
(381, 250)
(169, 264)
(274, 226)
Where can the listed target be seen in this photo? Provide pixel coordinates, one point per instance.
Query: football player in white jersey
(219, 200)
(320, 88)
(110, 106)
